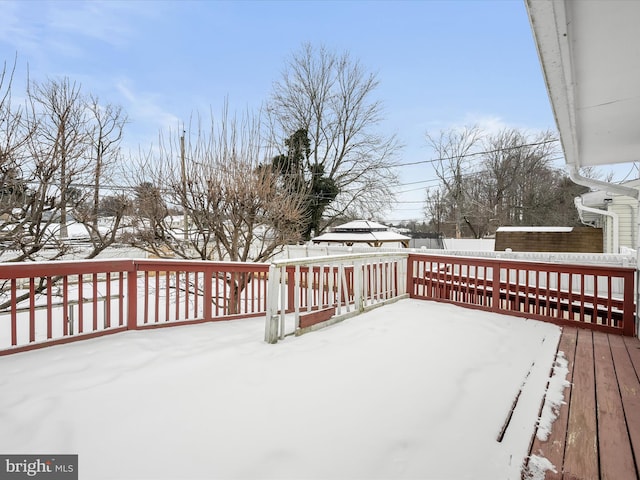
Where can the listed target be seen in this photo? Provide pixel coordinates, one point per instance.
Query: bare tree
(106, 127)
(454, 150)
(14, 134)
(234, 206)
(507, 178)
(62, 134)
(58, 150)
(330, 97)
(435, 209)
(28, 200)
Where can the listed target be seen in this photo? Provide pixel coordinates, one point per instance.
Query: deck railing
(595, 297)
(307, 293)
(50, 303)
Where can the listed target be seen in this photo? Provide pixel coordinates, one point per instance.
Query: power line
(486, 152)
(468, 174)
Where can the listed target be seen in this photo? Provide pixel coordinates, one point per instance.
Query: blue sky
(440, 63)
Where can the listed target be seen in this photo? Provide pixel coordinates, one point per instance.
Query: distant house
(363, 232)
(616, 214)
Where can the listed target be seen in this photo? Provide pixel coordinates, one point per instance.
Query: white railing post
(402, 276)
(296, 295)
(271, 325)
(283, 299)
(339, 277)
(358, 268)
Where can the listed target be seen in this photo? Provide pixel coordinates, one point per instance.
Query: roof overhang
(590, 56)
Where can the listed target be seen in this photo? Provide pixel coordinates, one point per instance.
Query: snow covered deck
(402, 391)
(396, 392)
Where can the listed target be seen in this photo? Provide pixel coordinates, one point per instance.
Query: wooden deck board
(629, 387)
(581, 452)
(616, 459)
(633, 349)
(553, 448)
(599, 422)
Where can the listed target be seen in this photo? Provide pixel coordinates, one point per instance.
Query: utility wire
(486, 152)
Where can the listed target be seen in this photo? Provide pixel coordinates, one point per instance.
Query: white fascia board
(550, 27)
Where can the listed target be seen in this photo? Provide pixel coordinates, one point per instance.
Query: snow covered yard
(415, 389)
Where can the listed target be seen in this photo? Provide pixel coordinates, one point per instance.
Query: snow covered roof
(534, 229)
(362, 231)
(597, 198)
(360, 237)
(361, 225)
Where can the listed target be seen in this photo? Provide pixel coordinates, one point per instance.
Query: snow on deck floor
(411, 390)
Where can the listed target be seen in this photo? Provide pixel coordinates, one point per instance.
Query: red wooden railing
(51, 303)
(596, 297)
(58, 302)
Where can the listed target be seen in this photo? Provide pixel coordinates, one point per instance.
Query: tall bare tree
(56, 151)
(506, 178)
(106, 126)
(235, 207)
(28, 190)
(330, 96)
(14, 135)
(75, 150)
(453, 150)
(61, 136)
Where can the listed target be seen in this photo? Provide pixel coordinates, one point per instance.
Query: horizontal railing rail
(595, 297)
(49, 303)
(307, 293)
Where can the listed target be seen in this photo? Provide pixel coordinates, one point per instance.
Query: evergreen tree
(306, 179)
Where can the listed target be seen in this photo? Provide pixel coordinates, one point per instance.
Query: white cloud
(489, 124)
(62, 27)
(16, 31)
(146, 115)
(109, 22)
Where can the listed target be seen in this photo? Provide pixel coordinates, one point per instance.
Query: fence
(628, 259)
(307, 293)
(595, 297)
(50, 303)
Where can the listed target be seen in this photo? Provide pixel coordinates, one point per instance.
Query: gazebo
(362, 231)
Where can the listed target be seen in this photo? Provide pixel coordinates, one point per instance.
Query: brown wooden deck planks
(629, 387)
(553, 448)
(581, 452)
(616, 460)
(633, 349)
(597, 433)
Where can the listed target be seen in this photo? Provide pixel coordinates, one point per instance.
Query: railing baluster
(32, 311)
(14, 314)
(535, 290)
(49, 308)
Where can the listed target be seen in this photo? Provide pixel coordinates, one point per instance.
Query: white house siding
(625, 207)
(627, 210)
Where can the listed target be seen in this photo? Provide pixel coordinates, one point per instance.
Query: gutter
(614, 217)
(574, 174)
